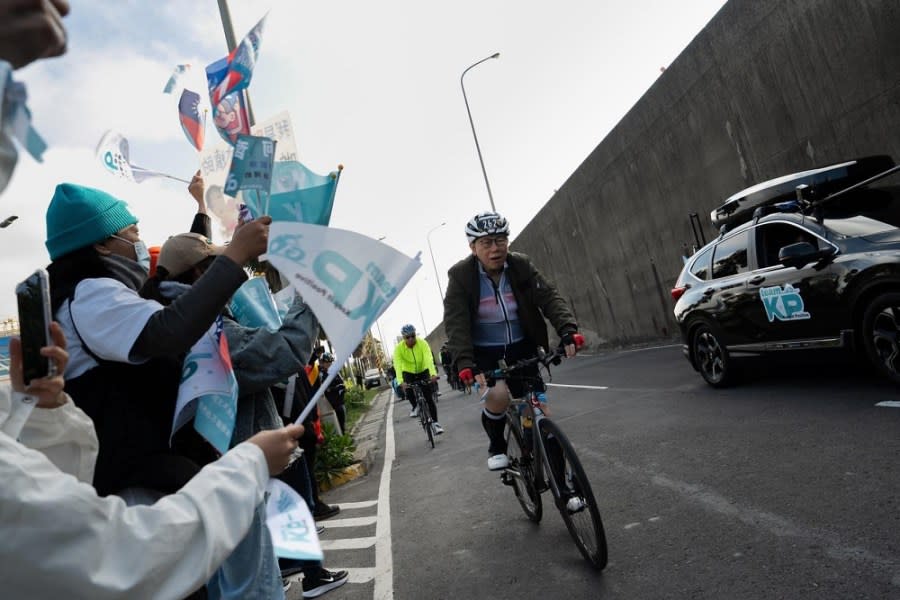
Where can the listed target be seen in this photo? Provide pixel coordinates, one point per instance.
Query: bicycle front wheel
(575, 500)
(425, 418)
(521, 470)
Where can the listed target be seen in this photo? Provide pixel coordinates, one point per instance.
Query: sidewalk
(366, 434)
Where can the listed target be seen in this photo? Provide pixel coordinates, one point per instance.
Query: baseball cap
(185, 250)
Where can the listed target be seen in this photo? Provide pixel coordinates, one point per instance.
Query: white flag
(290, 523)
(346, 278)
(112, 150)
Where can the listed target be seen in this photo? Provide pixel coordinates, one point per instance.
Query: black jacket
(536, 298)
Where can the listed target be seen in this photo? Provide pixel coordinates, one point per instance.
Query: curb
(365, 450)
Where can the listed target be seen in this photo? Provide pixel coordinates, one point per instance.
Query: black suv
(808, 260)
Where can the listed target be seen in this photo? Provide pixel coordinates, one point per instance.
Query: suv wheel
(711, 357)
(881, 334)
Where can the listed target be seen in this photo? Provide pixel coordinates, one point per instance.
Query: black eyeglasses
(500, 242)
(409, 337)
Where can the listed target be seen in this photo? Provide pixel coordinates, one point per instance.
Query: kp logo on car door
(783, 303)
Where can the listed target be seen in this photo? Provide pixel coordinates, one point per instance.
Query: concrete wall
(768, 87)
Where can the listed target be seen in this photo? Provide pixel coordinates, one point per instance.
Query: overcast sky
(370, 85)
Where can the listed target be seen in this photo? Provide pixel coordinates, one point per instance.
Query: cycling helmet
(327, 357)
(408, 329)
(486, 223)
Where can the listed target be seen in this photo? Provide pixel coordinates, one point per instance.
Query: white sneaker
(575, 504)
(438, 430)
(414, 413)
(498, 462)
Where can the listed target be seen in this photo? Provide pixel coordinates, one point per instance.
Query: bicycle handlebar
(542, 357)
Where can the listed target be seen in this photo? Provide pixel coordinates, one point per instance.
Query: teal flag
(251, 166)
(298, 195)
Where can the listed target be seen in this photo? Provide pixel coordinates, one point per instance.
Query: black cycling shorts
(486, 358)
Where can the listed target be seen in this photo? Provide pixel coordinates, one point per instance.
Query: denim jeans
(250, 572)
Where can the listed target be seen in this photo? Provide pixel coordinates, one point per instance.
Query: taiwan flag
(193, 124)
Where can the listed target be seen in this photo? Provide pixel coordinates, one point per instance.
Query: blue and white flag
(172, 84)
(291, 524)
(347, 279)
(298, 194)
(15, 123)
(208, 392)
(251, 166)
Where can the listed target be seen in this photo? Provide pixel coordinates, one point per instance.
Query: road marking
(580, 387)
(356, 574)
(348, 544)
(351, 522)
(889, 404)
(384, 559)
(352, 505)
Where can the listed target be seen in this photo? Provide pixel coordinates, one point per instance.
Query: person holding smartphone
(66, 541)
(127, 352)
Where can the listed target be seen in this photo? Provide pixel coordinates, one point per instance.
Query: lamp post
(434, 264)
(421, 314)
(472, 124)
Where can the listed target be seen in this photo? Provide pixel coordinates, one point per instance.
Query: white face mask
(141, 253)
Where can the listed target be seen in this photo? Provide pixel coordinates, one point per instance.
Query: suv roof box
(825, 180)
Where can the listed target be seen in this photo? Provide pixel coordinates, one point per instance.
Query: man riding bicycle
(414, 361)
(494, 309)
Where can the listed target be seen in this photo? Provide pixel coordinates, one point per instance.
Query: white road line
(889, 404)
(356, 574)
(348, 544)
(580, 387)
(384, 559)
(351, 522)
(352, 505)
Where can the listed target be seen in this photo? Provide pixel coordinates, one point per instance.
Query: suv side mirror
(801, 254)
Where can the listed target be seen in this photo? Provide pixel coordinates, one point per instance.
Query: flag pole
(231, 41)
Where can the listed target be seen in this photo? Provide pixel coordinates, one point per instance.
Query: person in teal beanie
(126, 352)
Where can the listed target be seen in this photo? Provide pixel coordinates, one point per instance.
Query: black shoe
(324, 511)
(324, 581)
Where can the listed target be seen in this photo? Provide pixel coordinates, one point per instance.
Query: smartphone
(33, 296)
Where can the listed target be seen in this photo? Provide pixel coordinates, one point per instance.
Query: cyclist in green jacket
(494, 309)
(414, 361)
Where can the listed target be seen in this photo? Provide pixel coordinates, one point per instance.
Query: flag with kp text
(347, 279)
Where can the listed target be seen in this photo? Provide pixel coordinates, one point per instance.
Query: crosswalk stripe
(352, 505)
(889, 404)
(356, 574)
(348, 544)
(351, 522)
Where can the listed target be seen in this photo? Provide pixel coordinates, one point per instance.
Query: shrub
(334, 455)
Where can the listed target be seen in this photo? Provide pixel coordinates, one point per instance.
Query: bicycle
(547, 461)
(425, 418)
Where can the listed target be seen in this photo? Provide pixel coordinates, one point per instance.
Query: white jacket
(58, 539)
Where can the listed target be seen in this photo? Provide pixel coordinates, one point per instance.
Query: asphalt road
(782, 487)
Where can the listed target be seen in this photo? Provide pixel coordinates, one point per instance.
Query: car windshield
(857, 226)
(372, 373)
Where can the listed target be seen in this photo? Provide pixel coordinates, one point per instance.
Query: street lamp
(477, 147)
(421, 314)
(434, 264)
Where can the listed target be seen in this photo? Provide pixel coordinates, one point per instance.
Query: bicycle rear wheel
(425, 419)
(576, 501)
(522, 472)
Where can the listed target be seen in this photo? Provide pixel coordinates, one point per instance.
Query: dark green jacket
(535, 297)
